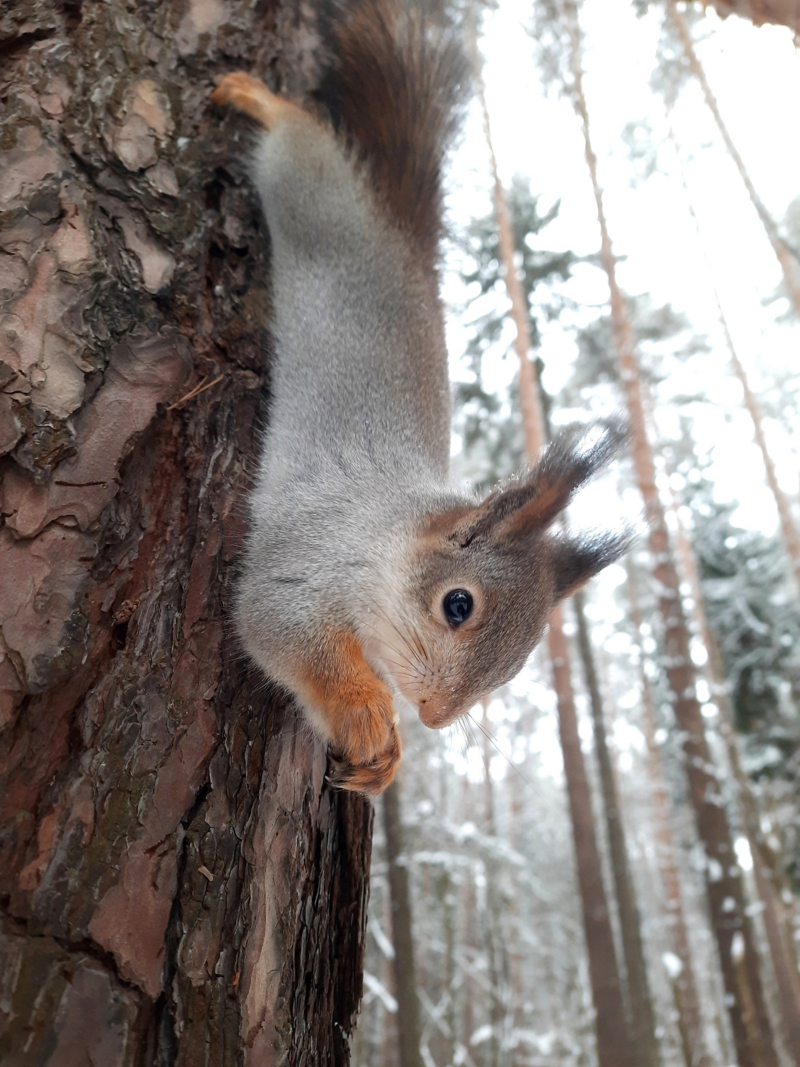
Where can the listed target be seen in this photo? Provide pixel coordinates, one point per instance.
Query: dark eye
(457, 606)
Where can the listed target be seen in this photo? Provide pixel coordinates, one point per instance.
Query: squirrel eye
(457, 606)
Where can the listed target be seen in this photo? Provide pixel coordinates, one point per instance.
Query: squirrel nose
(434, 715)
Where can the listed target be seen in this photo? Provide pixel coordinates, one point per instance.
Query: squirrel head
(484, 579)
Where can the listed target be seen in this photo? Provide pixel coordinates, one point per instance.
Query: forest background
(499, 908)
(602, 866)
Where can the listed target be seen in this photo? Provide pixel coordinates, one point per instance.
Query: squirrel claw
(371, 779)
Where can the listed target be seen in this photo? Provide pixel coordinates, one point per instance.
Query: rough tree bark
(177, 883)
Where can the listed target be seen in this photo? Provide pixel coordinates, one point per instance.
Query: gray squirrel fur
(356, 533)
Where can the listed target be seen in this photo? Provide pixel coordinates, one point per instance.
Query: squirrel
(368, 580)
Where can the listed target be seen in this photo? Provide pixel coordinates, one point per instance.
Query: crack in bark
(17, 926)
(164, 1009)
(13, 45)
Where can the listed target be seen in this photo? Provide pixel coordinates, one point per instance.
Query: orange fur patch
(251, 95)
(358, 709)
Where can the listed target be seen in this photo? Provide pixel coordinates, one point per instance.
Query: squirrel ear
(576, 560)
(534, 501)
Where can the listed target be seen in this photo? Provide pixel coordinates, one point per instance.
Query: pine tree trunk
(390, 1045)
(469, 943)
(613, 1048)
(500, 1003)
(778, 931)
(446, 891)
(788, 263)
(514, 939)
(491, 929)
(529, 399)
(747, 1008)
(687, 1000)
(613, 1042)
(408, 1027)
(791, 539)
(746, 1003)
(643, 1023)
(789, 533)
(179, 885)
(778, 12)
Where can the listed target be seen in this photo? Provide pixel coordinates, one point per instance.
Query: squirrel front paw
(367, 775)
(251, 95)
(354, 709)
(366, 746)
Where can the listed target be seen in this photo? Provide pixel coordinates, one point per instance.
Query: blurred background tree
(710, 833)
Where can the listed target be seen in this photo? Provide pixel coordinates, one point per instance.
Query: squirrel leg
(251, 95)
(355, 710)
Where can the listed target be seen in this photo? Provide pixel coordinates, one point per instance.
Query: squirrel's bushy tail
(394, 93)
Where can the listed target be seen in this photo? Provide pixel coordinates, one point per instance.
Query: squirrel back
(353, 202)
(369, 582)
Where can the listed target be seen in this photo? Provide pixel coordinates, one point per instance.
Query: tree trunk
(500, 1003)
(408, 1028)
(514, 1012)
(613, 1042)
(778, 12)
(791, 538)
(746, 1003)
(529, 398)
(687, 1001)
(777, 929)
(445, 893)
(643, 1023)
(613, 1048)
(787, 261)
(179, 885)
(469, 942)
(390, 1044)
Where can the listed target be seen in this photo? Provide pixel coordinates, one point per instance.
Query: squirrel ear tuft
(532, 503)
(576, 560)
